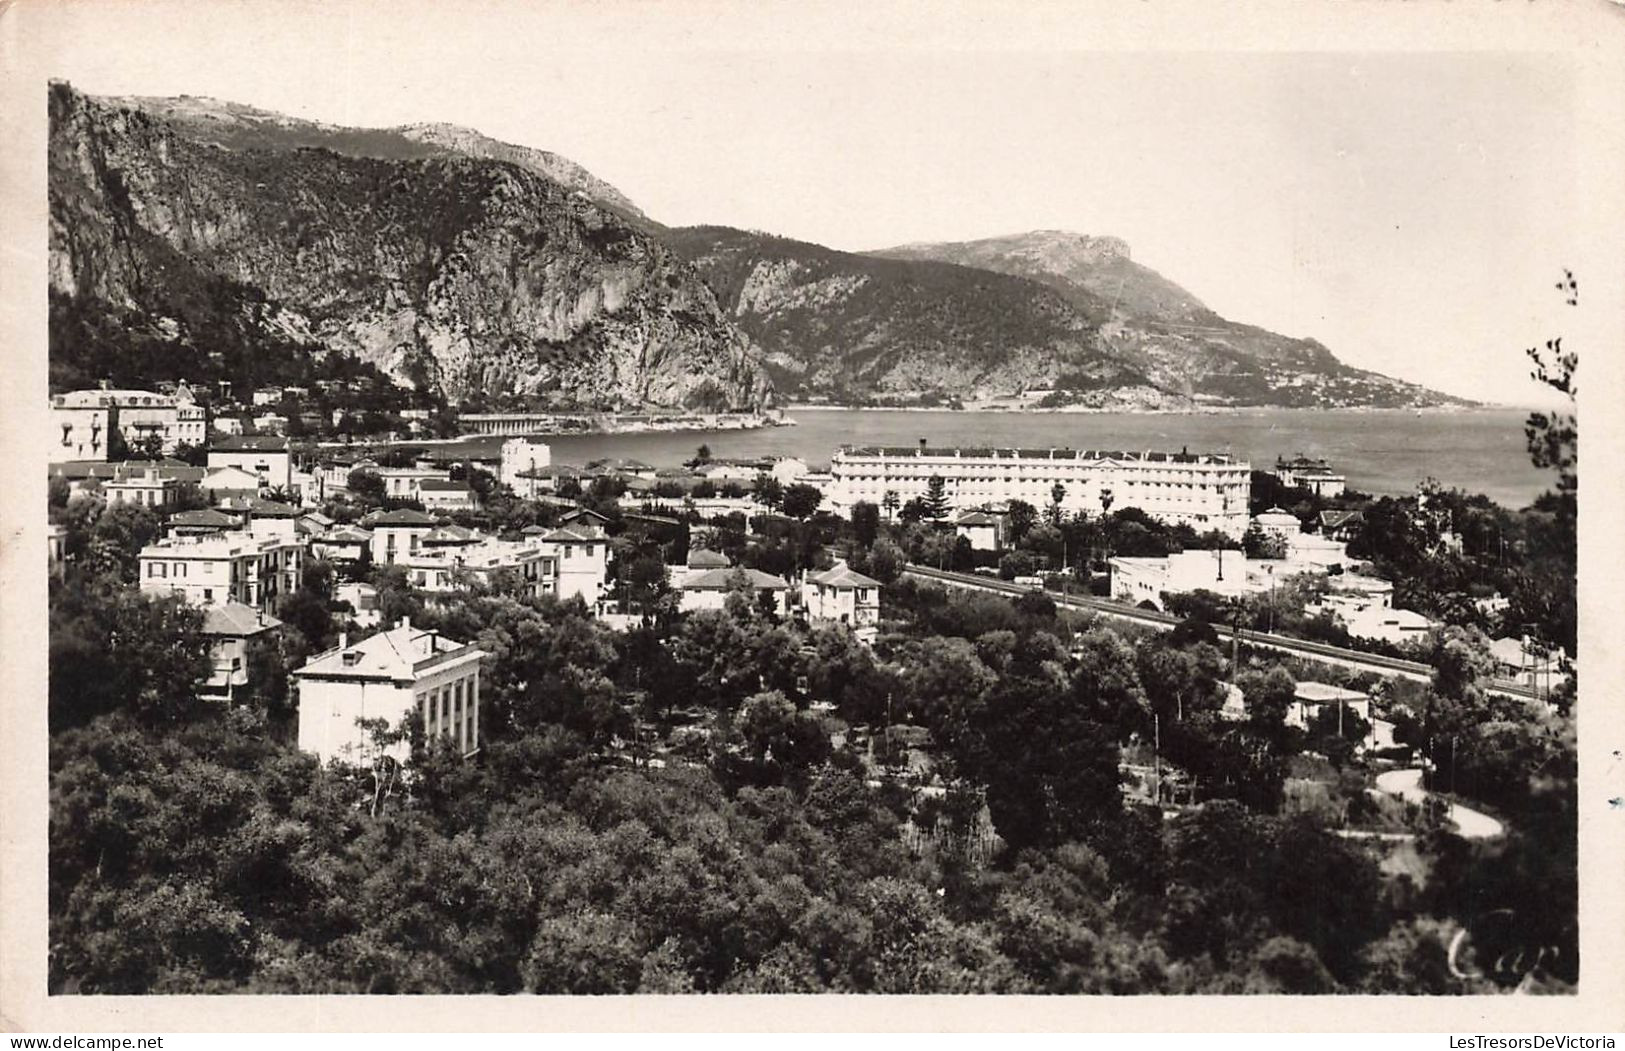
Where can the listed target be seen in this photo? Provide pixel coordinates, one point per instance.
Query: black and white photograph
(569, 501)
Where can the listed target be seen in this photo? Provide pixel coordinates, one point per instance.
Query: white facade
(984, 531)
(842, 595)
(1279, 524)
(406, 483)
(1395, 626)
(223, 567)
(1311, 552)
(1315, 475)
(389, 676)
(266, 458)
(1227, 573)
(1204, 491)
(438, 495)
(534, 570)
(136, 414)
(523, 462)
(230, 480)
(583, 561)
(79, 432)
(710, 590)
(397, 535)
(146, 488)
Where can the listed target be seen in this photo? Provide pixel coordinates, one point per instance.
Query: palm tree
(891, 502)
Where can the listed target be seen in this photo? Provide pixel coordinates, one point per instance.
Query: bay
(1380, 451)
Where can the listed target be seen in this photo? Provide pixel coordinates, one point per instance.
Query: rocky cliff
(436, 256)
(856, 327)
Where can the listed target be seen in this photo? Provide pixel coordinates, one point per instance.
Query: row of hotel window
(963, 479)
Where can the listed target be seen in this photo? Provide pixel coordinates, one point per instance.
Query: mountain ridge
(472, 277)
(1169, 333)
(488, 271)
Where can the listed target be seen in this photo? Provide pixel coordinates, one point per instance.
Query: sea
(1382, 451)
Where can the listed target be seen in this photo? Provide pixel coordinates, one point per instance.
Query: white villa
(388, 676)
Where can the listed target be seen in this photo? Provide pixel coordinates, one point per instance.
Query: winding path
(1470, 824)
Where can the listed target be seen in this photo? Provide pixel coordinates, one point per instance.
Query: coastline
(682, 427)
(1203, 410)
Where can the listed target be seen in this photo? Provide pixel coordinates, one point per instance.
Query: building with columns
(389, 676)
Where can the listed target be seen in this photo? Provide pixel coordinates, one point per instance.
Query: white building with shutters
(389, 676)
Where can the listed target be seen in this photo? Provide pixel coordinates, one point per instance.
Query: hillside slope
(191, 235)
(1169, 334)
(855, 327)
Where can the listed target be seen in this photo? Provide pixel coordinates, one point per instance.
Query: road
(1317, 651)
(1471, 824)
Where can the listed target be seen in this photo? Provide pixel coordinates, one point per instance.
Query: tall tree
(935, 500)
(1023, 516)
(800, 501)
(865, 523)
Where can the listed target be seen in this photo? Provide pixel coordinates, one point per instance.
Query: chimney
(406, 622)
(344, 640)
(922, 446)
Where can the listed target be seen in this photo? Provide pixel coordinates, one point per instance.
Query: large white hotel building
(1203, 490)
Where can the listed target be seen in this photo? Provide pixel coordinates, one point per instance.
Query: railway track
(1321, 651)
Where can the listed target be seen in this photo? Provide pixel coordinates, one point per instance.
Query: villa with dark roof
(842, 595)
(230, 627)
(710, 589)
(397, 534)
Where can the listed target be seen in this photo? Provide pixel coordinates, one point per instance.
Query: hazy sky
(1412, 212)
